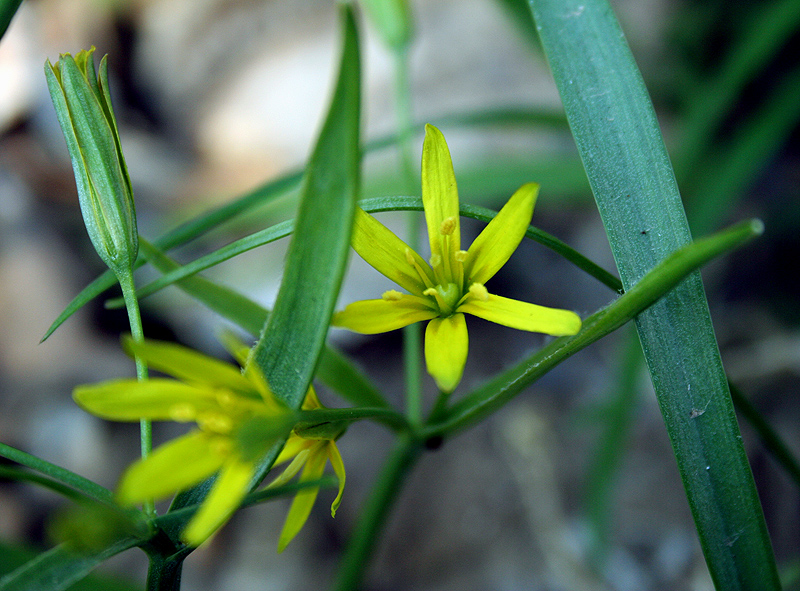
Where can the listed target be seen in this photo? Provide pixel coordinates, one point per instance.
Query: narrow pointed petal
(377, 316)
(439, 192)
(185, 364)
(388, 254)
(338, 467)
(157, 399)
(303, 500)
(498, 241)
(224, 498)
(446, 346)
(292, 469)
(174, 466)
(524, 316)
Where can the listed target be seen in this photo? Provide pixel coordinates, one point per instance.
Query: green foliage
(622, 160)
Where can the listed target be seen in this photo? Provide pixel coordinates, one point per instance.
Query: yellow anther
(182, 412)
(225, 398)
(479, 292)
(436, 260)
(215, 422)
(392, 295)
(222, 447)
(447, 226)
(431, 291)
(461, 256)
(410, 257)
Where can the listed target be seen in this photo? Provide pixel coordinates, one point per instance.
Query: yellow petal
(446, 345)
(224, 498)
(292, 469)
(524, 316)
(303, 500)
(498, 241)
(338, 467)
(156, 399)
(188, 365)
(376, 316)
(439, 193)
(174, 466)
(388, 254)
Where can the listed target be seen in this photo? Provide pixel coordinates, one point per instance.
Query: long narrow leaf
(294, 335)
(374, 205)
(669, 273)
(335, 370)
(619, 140)
(86, 486)
(59, 568)
(272, 189)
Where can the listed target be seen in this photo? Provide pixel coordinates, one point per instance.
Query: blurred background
(573, 485)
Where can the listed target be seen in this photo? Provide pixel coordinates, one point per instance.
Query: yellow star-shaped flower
(454, 282)
(238, 420)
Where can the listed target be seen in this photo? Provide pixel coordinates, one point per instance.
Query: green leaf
(294, 335)
(75, 481)
(334, 369)
(374, 205)
(273, 189)
(619, 140)
(8, 8)
(59, 568)
(669, 273)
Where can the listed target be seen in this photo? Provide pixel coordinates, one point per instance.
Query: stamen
(447, 226)
(412, 260)
(479, 292)
(461, 256)
(225, 398)
(392, 295)
(435, 260)
(182, 412)
(215, 422)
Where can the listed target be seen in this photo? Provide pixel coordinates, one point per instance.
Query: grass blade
(619, 140)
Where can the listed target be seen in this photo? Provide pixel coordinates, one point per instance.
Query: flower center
(447, 297)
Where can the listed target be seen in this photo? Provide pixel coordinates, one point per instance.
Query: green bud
(83, 107)
(392, 18)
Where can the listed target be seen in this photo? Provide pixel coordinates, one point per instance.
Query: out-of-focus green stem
(351, 571)
(137, 333)
(412, 352)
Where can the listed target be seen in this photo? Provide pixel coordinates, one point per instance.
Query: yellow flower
(238, 420)
(310, 448)
(454, 281)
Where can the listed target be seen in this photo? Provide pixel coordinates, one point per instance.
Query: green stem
(412, 351)
(166, 563)
(137, 333)
(405, 453)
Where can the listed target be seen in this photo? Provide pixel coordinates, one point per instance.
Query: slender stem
(137, 333)
(412, 351)
(165, 563)
(405, 453)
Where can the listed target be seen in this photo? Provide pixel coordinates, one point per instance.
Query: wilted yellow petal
(439, 194)
(498, 241)
(388, 254)
(446, 346)
(303, 500)
(224, 498)
(377, 316)
(338, 467)
(524, 316)
(174, 466)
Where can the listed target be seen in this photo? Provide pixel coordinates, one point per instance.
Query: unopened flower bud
(83, 106)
